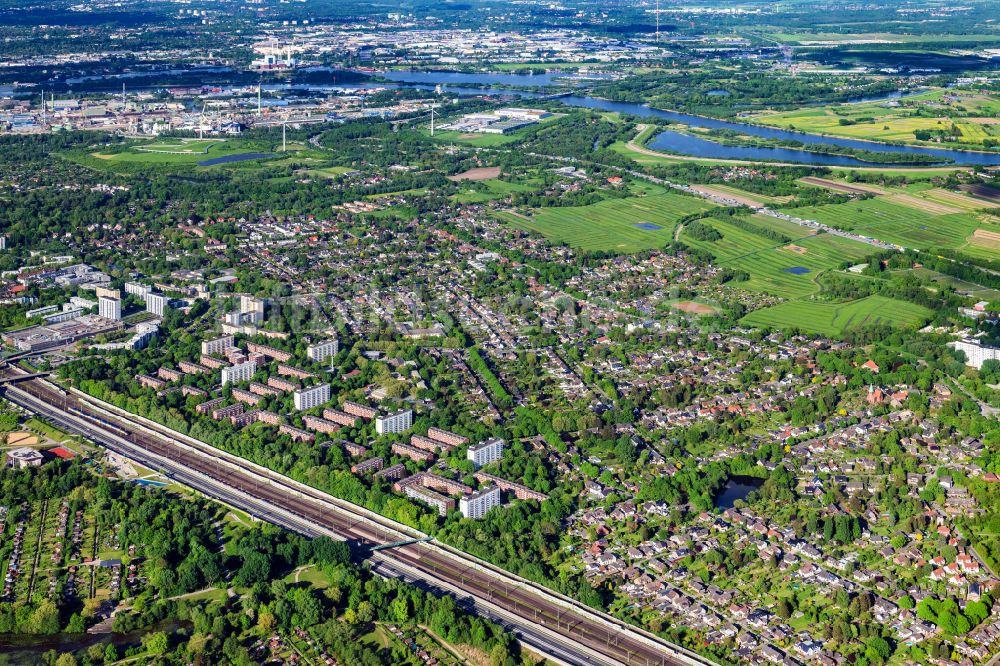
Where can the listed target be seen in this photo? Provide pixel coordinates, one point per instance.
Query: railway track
(604, 640)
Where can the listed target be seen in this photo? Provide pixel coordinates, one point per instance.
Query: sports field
(836, 318)
(789, 270)
(610, 225)
(895, 222)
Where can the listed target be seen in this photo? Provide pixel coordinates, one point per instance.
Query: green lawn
(495, 189)
(768, 261)
(894, 223)
(836, 318)
(610, 225)
(177, 152)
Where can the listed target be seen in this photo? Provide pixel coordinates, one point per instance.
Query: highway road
(555, 626)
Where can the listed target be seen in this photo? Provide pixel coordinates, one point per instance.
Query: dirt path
(455, 652)
(38, 550)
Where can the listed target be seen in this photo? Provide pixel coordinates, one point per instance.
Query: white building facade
(311, 397)
(476, 505)
(396, 422)
(486, 452)
(241, 372)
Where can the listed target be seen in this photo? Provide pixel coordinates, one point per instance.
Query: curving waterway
(685, 144)
(669, 141)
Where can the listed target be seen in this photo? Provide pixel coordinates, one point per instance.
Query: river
(460, 83)
(685, 144)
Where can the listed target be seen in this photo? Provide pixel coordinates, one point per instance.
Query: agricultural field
(614, 225)
(895, 121)
(836, 318)
(493, 188)
(789, 270)
(901, 221)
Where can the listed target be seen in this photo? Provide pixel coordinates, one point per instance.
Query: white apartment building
(137, 289)
(476, 505)
(311, 397)
(252, 309)
(396, 422)
(218, 345)
(77, 302)
(156, 303)
(486, 452)
(109, 308)
(241, 372)
(975, 353)
(321, 351)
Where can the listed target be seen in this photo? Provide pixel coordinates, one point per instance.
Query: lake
(737, 488)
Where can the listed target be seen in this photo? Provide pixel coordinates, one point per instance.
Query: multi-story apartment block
(269, 352)
(169, 374)
(292, 371)
(520, 492)
(440, 502)
(189, 368)
(311, 397)
(476, 505)
(399, 421)
(209, 405)
(269, 418)
(355, 450)
(241, 372)
(297, 434)
(156, 303)
(244, 419)
(362, 411)
(220, 413)
(445, 437)
(486, 452)
(428, 444)
(321, 351)
(392, 473)
(109, 308)
(320, 425)
(192, 390)
(137, 289)
(150, 382)
(212, 362)
(245, 397)
(263, 390)
(282, 384)
(343, 418)
(412, 453)
(217, 346)
(368, 466)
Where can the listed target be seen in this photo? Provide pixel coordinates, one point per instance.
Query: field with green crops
(836, 318)
(494, 188)
(768, 261)
(610, 225)
(894, 223)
